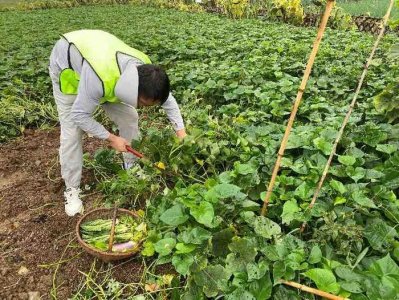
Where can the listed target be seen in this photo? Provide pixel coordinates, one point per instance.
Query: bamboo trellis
(338, 138)
(316, 45)
(351, 107)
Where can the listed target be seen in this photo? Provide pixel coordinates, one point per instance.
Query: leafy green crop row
(236, 81)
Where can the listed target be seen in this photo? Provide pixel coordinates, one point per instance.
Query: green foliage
(236, 80)
(290, 11)
(339, 17)
(183, 5)
(234, 8)
(387, 101)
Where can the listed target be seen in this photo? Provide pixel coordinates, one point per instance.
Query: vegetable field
(235, 82)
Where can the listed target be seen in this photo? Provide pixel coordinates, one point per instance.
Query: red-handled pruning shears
(160, 166)
(134, 152)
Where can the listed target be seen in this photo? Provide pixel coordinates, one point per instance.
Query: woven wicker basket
(105, 213)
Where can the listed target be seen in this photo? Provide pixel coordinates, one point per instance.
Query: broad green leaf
(360, 198)
(384, 267)
(347, 274)
(203, 213)
(244, 169)
(240, 294)
(339, 200)
(290, 211)
(353, 287)
(257, 270)
(324, 279)
(338, 186)
(323, 145)
(295, 260)
(248, 216)
(248, 204)
(210, 83)
(174, 216)
(296, 141)
(389, 288)
(165, 246)
(182, 263)
(378, 233)
(266, 227)
(213, 279)
(347, 160)
(262, 288)
(182, 248)
(243, 253)
(374, 174)
(239, 279)
(315, 255)
(148, 249)
(197, 235)
(387, 148)
(355, 152)
(192, 292)
(304, 191)
(280, 270)
(320, 208)
(222, 191)
(355, 173)
(221, 240)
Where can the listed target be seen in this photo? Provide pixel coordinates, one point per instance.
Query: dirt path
(34, 229)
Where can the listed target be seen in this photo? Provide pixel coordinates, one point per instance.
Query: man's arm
(173, 112)
(88, 98)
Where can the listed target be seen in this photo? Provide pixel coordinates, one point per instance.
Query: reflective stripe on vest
(99, 49)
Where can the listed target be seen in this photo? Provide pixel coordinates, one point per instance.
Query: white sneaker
(73, 204)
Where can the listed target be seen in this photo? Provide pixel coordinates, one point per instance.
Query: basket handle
(111, 238)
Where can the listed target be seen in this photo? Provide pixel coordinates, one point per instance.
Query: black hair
(153, 83)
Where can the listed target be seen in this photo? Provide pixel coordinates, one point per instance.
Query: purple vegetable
(124, 247)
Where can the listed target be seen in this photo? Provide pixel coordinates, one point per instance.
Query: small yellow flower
(199, 161)
(140, 212)
(160, 165)
(167, 279)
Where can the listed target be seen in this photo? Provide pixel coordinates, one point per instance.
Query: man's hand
(181, 133)
(118, 143)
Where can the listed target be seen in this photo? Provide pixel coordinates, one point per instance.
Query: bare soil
(34, 229)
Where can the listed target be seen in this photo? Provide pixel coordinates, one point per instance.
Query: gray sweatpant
(71, 151)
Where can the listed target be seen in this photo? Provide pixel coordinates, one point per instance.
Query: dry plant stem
(111, 238)
(312, 290)
(316, 45)
(54, 287)
(351, 107)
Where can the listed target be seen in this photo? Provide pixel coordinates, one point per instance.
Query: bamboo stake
(316, 45)
(351, 107)
(312, 290)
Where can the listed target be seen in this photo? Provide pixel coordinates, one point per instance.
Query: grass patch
(373, 8)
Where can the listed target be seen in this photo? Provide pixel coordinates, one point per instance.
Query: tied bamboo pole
(312, 290)
(316, 45)
(351, 107)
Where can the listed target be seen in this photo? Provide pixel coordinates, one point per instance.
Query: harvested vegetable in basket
(128, 233)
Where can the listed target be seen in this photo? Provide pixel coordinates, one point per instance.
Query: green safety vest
(99, 49)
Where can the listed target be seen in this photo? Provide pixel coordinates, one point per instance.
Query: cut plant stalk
(316, 45)
(351, 107)
(312, 290)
